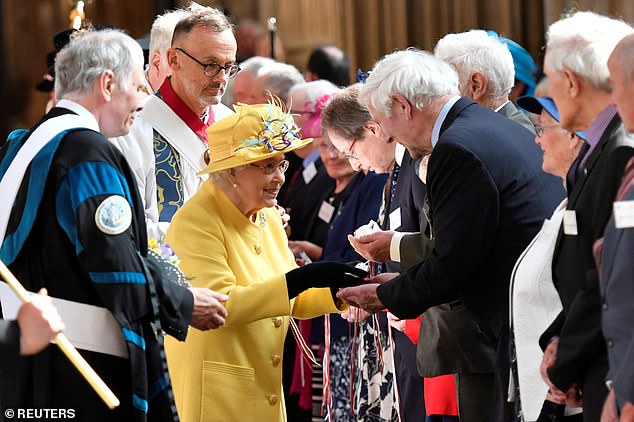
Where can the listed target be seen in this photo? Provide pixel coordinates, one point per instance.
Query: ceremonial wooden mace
(65, 345)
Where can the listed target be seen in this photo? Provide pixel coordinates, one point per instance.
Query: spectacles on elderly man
(350, 155)
(330, 149)
(271, 167)
(213, 68)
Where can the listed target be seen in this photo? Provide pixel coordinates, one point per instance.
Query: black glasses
(271, 167)
(539, 130)
(212, 69)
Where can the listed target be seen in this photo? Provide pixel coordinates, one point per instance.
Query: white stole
(10, 183)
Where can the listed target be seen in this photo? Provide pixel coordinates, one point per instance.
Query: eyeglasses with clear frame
(539, 130)
(213, 68)
(271, 167)
(328, 148)
(350, 155)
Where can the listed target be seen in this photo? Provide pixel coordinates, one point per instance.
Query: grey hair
(476, 51)
(218, 176)
(582, 42)
(313, 91)
(91, 53)
(255, 63)
(278, 78)
(345, 115)
(201, 16)
(162, 31)
(252, 65)
(415, 74)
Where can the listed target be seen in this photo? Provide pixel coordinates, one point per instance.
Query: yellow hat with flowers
(253, 133)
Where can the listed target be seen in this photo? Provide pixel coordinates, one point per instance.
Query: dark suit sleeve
(464, 203)
(553, 330)
(586, 314)
(624, 379)
(176, 303)
(624, 388)
(617, 286)
(9, 344)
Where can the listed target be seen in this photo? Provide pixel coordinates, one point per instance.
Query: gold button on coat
(258, 249)
(276, 359)
(278, 322)
(273, 399)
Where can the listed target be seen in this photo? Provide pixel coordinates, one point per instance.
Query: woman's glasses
(271, 167)
(539, 130)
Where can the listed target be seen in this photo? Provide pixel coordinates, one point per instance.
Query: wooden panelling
(365, 29)
(27, 29)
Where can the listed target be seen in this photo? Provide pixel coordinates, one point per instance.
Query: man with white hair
(275, 79)
(576, 64)
(485, 71)
(76, 228)
(486, 75)
(160, 40)
(487, 199)
(172, 127)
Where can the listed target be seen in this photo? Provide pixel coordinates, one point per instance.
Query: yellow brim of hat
(254, 133)
(236, 161)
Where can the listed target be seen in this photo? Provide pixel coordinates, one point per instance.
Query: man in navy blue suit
(486, 192)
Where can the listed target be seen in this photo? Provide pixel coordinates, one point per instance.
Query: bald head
(620, 64)
(623, 54)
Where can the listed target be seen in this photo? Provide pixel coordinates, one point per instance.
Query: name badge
(624, 214)
(570, 223)
(395, 219)
(309, 173)
(326, 211)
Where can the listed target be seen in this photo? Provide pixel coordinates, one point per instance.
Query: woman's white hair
(477, 51)
(416, 75)
(218, 176)
(582, 43)
(313, 91)
(89, 54)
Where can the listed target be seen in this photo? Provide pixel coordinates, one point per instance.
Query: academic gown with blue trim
(53, 241)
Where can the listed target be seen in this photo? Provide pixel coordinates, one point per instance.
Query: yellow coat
(234, 373)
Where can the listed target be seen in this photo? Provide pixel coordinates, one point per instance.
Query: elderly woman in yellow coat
(231, 239)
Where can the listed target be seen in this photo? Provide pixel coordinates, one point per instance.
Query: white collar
(399, 154)
(435, 133)
(500, 107)
(91, 121)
